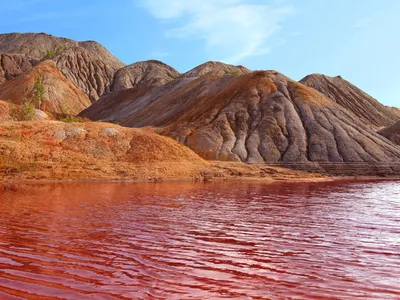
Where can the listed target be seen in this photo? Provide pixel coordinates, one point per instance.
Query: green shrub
(72, 119)
(232, 72)
(24, 113)
(51, 53)
(38, 92)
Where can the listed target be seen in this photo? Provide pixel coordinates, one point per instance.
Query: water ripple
(336, 240)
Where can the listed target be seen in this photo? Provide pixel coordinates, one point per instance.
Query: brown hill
(144, 73)
(60, 95)
(258, 117)
(57, 150)
(216, 67)
(395, 110)
(352, 98)
(392, 133)
(87, 64)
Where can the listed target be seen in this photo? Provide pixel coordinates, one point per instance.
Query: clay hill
(353, 99)
(145, 73)
(392, 133)
(59, 95)
(215, 66)
(88, 65)
(257, 117)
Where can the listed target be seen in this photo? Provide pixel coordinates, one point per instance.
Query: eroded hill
(257, 117)
(88, 65)
(353, 99)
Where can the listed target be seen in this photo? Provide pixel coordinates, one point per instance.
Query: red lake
(331, 240)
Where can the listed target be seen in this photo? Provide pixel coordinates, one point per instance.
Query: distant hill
(87, 64)
(352, 98)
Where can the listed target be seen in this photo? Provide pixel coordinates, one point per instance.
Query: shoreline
(191, 180)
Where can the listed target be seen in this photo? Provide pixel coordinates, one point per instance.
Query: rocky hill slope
(255, 118)
(12, 65)
(144, 73)
(353, 99)
(59, 96)
(215, 67)
(87, 64)
(392, 133)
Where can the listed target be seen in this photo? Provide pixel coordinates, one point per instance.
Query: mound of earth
(13, 112)
(60, 95)
(88, 65)
(352, 98)
(216, 67)
(145, 73)
(254, 118)
(392, 133)
(51, 149)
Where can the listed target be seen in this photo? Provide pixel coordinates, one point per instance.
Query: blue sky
(357, 39)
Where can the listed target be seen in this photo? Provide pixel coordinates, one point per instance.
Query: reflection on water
(337, 240)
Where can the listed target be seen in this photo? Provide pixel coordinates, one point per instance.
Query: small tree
(38, 92)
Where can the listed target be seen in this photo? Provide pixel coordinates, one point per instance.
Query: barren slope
(144, 73)
(215, 67)
(352, 98)
(258, 117)
(87, 64)
(392, 133)
(12, 65)
(60, 95)
(58, 150)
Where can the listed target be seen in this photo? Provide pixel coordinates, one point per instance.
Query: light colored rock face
(87, 64)
(146, 73)
(258, 117)
(60, 95)
(353, 99)
(216, 67)
(392, 133)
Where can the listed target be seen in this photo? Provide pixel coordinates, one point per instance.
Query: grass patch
(73, 119)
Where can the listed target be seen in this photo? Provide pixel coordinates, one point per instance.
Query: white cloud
(232, 30)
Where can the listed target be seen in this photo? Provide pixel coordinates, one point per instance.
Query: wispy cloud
(232, 30)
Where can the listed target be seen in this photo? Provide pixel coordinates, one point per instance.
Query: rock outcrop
(12, 65)
(144, 73)
(216, 67)
(353, 99)
(60, 96)
(254, 118)
(87, 64)
(392, 133)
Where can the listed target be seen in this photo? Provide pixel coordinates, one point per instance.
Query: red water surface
(336, 240)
